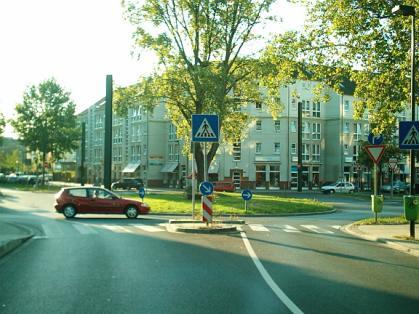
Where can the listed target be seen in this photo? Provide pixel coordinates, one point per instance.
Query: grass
(232, 204)
(398, 220)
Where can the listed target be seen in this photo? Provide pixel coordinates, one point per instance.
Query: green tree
(202, 65)
(46, 121)
(356, 39)
(2, 125)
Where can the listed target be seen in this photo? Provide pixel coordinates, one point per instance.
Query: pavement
(393, 236)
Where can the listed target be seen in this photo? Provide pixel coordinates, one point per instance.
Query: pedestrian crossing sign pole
(205, 128)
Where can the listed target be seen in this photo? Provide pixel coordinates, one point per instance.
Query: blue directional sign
(247, 195)
(205, 128)
(409, 135)
(141, 192)
(375, 139)
(206, 188)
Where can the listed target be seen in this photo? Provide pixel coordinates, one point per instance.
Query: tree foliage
(2, 125)
(202, 65)
(357, 39)
(46, 120)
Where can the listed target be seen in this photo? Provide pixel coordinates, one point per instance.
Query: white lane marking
(316, 229)
(336, 227)
(52, 230)
(118, 229)
(289, 228)
(148, 228)
(257, 227)
(268, 279)
(84, 229)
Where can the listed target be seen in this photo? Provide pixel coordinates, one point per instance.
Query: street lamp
(407, 10)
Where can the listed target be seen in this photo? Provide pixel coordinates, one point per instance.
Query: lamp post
(407, 10)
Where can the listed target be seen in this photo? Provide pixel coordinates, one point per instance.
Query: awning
(169, 167)
(274, 158)
(213, 168)
(131, 167)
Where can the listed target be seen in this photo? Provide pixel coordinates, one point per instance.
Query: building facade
(145, 144)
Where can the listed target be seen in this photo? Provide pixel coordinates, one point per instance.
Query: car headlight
(145, 205)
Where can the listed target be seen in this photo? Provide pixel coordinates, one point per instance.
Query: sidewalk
(393, 236)
(12, 236)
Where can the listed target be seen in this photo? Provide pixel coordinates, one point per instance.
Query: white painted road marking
(148, 228)
(268, 279)
(84, 229)
(336, 227)
(257, 227)
(289, 228)
(316, 229)
(118, 229)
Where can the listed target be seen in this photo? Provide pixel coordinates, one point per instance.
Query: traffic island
(200, 227)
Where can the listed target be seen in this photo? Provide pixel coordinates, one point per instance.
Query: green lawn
(232, 204)
(399, 220)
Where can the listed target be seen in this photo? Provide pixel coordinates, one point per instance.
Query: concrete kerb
(201, 228)
(10, 243)
(353, 229)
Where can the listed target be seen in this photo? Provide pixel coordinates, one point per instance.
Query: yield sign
(375, 152)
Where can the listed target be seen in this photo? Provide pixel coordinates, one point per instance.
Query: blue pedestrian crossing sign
(205, 128)
(409, 135)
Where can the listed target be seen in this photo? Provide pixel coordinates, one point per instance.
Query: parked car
(224, 186)
(338, 187)
(127, 184)
(398, 187)
(95, 200)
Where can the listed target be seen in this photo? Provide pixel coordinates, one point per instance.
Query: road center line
(268, 279)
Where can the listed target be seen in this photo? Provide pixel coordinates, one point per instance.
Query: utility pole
(83, 152)
(300, 148)
(107, 171)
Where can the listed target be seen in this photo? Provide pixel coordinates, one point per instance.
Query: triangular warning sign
(375, 152)
(412, 137)
(205, 131)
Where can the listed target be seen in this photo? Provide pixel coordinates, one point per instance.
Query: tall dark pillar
(107, 173)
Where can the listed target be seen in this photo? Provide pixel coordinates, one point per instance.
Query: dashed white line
(268, 279)
(258, 227)
(289, 228)
(316, 229)
(84, 229)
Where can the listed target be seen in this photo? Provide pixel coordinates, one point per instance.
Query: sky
(77, 42)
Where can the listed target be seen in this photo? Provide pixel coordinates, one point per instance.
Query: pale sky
(78, 42)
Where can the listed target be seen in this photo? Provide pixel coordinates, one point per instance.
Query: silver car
(338, 187)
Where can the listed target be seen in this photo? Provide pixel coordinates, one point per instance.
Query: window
(306, 131)
(306, 152)
(316, 131)
(258, 105)
(306, 108)
(346, 106)
(172, 132)
(258, 148)
(173, 152)
(136, 152)
(357, 131)
(316, 152)
(293, 148)
(77, 192)
(346, 128)
(237, 151)
(366, 129)
(274, 176)
(316, 109)
(258, 125)
(98, 121)
(355, 152)
(293, 126)
(277, 126)
(277, 148)
(345, 149)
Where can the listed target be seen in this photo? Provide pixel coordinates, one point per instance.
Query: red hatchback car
(95, 200)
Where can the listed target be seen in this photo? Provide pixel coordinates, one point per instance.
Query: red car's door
(104, 203)
(80, 197)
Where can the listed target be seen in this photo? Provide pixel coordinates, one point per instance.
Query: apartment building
(145, 144)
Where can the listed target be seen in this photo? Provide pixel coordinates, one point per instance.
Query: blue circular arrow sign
(375, 139)
(247, 195)
(141, 192)
(206, 188)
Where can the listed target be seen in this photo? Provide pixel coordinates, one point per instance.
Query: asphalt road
(109, 264)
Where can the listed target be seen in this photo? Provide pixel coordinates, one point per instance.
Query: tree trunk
(199, 157)
(43, 167)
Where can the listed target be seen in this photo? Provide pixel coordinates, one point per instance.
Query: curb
(201, 229)
(255, 215)
(8, 246)
(190, 221)
(353, 229)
